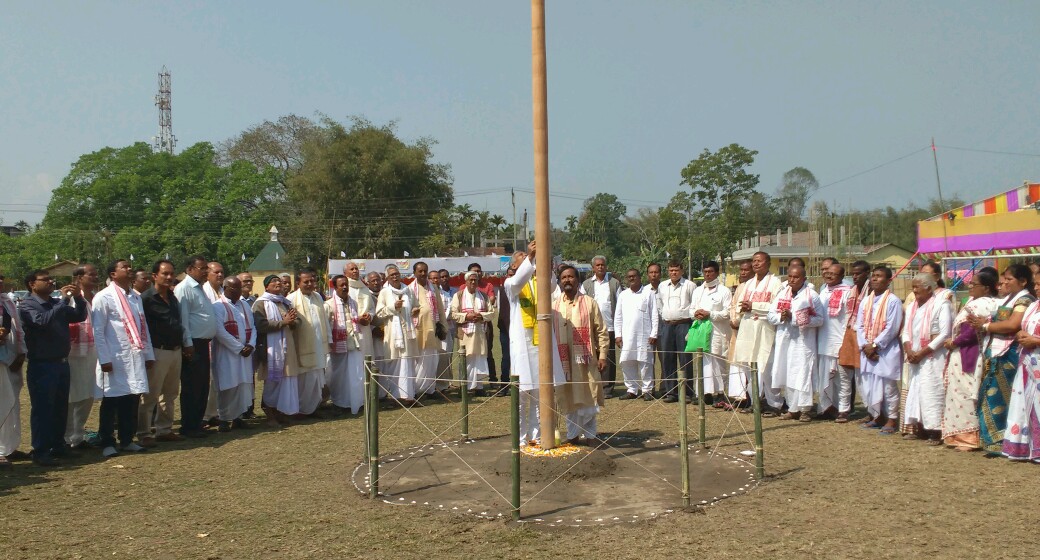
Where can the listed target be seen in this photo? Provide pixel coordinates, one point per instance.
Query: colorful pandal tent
(1007, 224)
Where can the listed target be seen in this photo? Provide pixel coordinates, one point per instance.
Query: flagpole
(543, 241)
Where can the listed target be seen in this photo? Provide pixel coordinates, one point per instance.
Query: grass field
(831, 490)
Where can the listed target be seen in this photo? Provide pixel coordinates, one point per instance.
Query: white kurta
(716, 301)
(523, 354)
(636, 322)
(794, 352)
(230, 368)
(877, 378)
(926, 395)
(10, 383)
(346, 373)
(128, 375)
(828, 341)
(399, 344)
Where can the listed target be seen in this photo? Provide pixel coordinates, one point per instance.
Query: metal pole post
(684, 447)
(464, 392)
(514, 429)
(372, 414)
(760, 469)
(699, 372)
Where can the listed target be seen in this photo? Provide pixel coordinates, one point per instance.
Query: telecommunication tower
(165, 141)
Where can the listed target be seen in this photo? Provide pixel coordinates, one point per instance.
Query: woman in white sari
(960, 427)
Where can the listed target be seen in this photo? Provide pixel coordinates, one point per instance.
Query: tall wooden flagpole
(543, 241)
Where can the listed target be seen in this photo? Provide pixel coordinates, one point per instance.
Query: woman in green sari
(1001, 356)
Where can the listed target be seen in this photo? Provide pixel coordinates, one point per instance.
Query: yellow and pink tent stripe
(1006, 223)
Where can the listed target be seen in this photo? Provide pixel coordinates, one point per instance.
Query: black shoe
(709, 399)
(628, 397)
(224, 427)
(65, 453)
(479, 393)
(648, 397)
(44, 461)
(671, 399)
(195, 434)
(213, 422)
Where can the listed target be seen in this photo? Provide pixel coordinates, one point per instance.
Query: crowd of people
(140, 340)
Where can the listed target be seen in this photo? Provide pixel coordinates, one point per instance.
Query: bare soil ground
(831, 490)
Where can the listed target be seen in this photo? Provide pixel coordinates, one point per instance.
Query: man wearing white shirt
(830, 376)
(710, 302)
(199, 328)
(214, 288)
(636, 321)
(674, 298)
(125, 354)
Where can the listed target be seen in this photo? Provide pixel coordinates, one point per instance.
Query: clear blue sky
(636, 89)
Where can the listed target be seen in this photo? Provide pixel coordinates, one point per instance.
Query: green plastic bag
(699, 337)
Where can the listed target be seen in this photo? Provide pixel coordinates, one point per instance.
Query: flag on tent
(55, 256)
(308, 259)
(407, 254)
(131, 257)
(276, 257)
(243, 257)
(465, 254)
(167, 256)
(343, 253)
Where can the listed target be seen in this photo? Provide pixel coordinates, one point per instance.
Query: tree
(721, 187)
(598, 230)
(362, 190)
(121, 201)
(796, 186)
(277, 145)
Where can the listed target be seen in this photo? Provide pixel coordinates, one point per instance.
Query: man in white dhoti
(849, 356)
(829, 375)
(442, 280)
(473, 311)
(233, 356)
(582, 337)
(276, 323)
(754, 344)
(737, 389)
(636, 322)
(346, 374)
(12, 356)
(522, 292)
(881, 356)
(430, 326)
(312, 340)
(797, 314)
(710, 302)
(397, 309)
(928, 324)
(214, 288)
(82, 361)
(124, 355)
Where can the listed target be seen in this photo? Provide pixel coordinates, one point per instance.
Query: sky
(636, 90)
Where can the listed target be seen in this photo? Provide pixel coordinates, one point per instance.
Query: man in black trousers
(199, 326)
(46, 322)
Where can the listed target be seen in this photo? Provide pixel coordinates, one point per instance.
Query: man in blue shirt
(46, 322)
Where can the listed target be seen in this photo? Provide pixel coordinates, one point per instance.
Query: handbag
(848, 354)
(698, 339)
